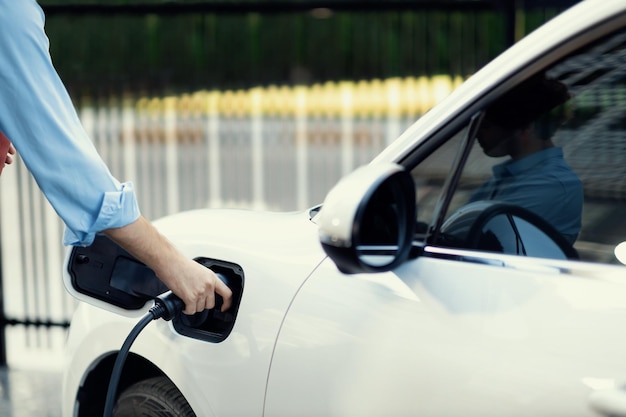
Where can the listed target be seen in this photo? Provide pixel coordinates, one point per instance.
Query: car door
(465, 328)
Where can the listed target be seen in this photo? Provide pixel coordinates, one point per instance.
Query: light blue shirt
(38, 116)
(542, 183)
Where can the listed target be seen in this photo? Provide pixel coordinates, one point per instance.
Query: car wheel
(153, 397)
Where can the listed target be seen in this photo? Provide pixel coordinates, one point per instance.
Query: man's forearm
(142, 240)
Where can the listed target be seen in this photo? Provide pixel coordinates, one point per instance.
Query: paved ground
(30, 393)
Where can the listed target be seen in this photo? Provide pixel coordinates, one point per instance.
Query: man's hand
(195, 284)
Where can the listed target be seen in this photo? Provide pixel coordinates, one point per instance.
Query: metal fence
(273, 148)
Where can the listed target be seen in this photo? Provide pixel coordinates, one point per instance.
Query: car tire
(152, 397)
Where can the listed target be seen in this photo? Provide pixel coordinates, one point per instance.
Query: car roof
(589, 17)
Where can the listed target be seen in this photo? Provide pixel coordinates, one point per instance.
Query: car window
(430, 177)
(554, 145)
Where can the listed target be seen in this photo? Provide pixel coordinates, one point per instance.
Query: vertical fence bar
(213, 146)
(392, 90)
(301, 148)
(346, 92)
(28, 207)
(147, 136)
(128, 147)
(256, 143)
(110, 142)
(53, 266)
(171, 156)
(11, 236)
(38, 259)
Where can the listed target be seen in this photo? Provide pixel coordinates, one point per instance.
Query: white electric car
(400, 295)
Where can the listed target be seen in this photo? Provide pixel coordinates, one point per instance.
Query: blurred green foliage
(239, 50)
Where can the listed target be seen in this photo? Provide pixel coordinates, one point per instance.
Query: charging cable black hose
(166, 306)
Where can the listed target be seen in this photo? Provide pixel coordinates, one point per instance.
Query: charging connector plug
(167, 306)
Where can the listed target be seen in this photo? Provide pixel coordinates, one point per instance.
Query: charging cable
(166, 307)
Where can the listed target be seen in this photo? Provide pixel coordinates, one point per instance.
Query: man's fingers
(190, 309)
(206, 300)
(226, 293)
(207, 303)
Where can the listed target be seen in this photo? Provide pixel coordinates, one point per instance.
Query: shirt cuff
(118, 209)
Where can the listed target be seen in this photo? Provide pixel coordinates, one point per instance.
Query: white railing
(264, 148)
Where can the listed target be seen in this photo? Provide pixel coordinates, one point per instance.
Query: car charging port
(106, 272)
(214, 325)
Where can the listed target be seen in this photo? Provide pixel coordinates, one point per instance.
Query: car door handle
(609, 402)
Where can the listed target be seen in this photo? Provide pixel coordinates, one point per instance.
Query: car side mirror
(367, 221)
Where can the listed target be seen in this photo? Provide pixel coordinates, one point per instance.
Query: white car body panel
(471, 341)
(288, 240)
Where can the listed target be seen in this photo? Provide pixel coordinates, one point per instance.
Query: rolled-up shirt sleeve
(118, 208)
(38, 116)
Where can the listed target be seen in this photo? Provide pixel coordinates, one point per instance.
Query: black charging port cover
(108, 273)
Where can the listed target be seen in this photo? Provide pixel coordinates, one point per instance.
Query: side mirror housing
(367, 221)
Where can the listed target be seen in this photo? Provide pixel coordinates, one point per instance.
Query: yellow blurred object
(393, 97)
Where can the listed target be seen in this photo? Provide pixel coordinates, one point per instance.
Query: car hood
(277, 252)
(236, 234)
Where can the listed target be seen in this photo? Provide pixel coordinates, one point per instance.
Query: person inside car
(536, 176)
